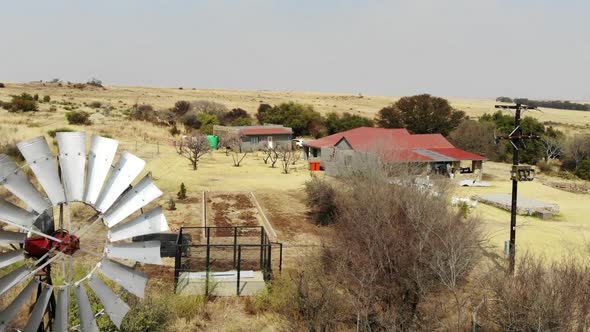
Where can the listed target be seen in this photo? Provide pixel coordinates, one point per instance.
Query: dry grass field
(281, 194)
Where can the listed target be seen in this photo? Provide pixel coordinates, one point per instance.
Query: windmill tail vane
(74, 175)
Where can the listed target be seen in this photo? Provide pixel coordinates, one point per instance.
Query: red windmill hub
(37, 246)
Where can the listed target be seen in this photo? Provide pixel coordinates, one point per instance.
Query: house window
(347, 160)
(254, 140)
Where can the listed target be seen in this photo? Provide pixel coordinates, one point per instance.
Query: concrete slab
(526, 206)
(221, 283)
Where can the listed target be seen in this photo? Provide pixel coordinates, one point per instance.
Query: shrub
(544, 167)
(321, 200)
(2, 85)
(144, 112)
(46, 99)
(10, 149)
(52, 109)
(78, 117)
(191, 121)
(36, 97)
(174, 131)
(5, 105)
(181, 107)
(583, 170)
(95, 82)
(52, 133)
(182, 192)
(171, 204)
(23, 103)
(95, 104)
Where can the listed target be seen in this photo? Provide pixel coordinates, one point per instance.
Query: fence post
(235, 243)
(207, 264)
(262, 235)
(239, 269)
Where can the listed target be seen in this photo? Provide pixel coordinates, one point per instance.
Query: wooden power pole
(518, 173)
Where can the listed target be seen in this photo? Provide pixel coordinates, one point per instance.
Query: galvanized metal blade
(13, 214)
(127, 169)
(11, 257)
(100, 160)
(60, 322)
(13, 278)
(87, 321)
(38, 155)
(12, 237)
(145, 252)
(8, 314)
(39, 310)
(150, 222)
(113, 305)
(17, 183)
(72, 159)
(141, 195)
(133, 281)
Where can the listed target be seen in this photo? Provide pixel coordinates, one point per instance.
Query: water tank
(213, 141)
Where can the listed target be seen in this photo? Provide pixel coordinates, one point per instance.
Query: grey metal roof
(435, 156)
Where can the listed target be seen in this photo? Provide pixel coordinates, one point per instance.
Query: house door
(270, 144)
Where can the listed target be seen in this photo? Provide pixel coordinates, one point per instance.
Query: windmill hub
(37, 246)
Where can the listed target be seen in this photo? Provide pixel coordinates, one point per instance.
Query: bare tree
(552, 147)
(192, 147)
(235, 142)
(578, 148)
(285, 155)
(296, 156)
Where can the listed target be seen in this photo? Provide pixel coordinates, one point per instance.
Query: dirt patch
(233, 209)
(576, 188)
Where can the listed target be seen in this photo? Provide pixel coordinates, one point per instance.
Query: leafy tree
(263, 109)
(191, 121)
(335, 123)
(207, 122)
(534, 150)
(303, 119)
(583, 169)
(478, 137)
(504, 100)
(23, 103)
(421, 114)
(236, 117)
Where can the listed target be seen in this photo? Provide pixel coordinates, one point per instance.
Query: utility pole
(518, 173)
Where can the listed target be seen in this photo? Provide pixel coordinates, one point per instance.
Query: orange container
(314, 165)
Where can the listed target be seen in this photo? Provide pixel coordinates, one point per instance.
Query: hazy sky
(469, 48)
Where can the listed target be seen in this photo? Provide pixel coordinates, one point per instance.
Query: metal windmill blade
(65, 178)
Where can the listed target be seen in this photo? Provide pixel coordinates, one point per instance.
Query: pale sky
(452, 48)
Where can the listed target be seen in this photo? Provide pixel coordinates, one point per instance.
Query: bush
(95, 82)
(171, 204)
(10, 149)
(181, 107)
(321, 200)
(46, 99)
(2, 85)
(182, 192)
(544, 167)
(144, 112)
(78, 117)
(52, 133)
(23, 103)
(36, 97)
(583, 170)
(95, 104)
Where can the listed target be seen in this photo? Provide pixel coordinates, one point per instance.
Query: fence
(223, 250)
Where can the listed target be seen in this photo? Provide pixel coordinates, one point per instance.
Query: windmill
(40, 243)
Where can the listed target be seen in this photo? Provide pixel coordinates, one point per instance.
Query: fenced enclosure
(229, 260)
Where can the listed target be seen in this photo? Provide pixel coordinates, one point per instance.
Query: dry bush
(396, 245)
(321, 200)
(541, 296)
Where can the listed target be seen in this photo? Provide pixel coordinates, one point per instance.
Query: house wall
(253, 142)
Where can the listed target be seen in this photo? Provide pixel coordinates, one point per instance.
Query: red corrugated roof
(397, 145)
(266, 131)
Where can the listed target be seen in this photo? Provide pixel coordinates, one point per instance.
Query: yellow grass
(568, 233)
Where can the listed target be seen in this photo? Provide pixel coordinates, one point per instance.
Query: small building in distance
(258, 137)
(337, 151)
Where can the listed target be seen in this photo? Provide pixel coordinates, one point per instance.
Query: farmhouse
(257, 137)
(390, 145)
